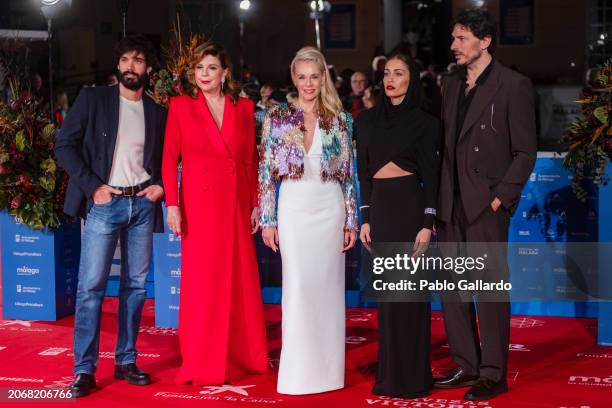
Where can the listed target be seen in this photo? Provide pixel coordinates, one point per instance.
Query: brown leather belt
(133, 190)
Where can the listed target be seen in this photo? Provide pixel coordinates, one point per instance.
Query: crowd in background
(358, 90)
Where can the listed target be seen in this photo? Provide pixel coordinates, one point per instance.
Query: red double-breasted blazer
(221, 323)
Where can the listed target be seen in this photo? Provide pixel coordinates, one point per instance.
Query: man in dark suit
(111, 147)
(489, 152)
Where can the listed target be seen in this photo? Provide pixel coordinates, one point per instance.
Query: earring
(222, 82)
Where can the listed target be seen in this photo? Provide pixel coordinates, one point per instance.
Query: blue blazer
(85, 145)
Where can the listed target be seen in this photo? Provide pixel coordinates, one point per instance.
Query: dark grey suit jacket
(497, 147)
(85, 145)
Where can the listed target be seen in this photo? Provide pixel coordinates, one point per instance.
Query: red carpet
(554, 362)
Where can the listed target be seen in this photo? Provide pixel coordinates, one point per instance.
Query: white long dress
(310, 226)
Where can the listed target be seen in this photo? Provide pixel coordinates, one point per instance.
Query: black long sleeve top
(411, 140)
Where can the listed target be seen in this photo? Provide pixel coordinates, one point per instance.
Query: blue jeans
(131, 220)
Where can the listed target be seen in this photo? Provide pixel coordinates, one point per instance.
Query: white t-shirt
(127, 168)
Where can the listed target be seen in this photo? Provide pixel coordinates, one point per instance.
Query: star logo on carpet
(238, 389)
(23, 323)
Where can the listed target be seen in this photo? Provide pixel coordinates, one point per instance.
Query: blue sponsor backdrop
(167, 259)
(39, 270)
(549, 212)
(604, 332)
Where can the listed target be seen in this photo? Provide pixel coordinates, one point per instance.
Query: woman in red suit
(221, 325)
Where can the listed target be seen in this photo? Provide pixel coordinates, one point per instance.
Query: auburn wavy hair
(231, 87)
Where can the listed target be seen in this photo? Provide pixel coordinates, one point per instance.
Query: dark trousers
(404, 328)
(480, 349)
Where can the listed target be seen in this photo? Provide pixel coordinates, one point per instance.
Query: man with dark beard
(110, 145)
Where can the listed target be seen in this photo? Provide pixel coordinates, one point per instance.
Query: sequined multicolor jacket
(282, 155)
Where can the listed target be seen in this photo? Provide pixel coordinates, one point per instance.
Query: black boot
(82, 385)
(132, 374)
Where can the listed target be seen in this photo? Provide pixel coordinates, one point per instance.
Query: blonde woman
(307, 146)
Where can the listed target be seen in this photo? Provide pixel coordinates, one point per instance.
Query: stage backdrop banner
(39, 270)
(604, 323)
(549, 213)
(167, 270)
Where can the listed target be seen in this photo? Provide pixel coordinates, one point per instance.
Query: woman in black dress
(398, 159)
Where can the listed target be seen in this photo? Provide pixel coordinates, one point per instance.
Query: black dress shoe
(131, 374)
(456, 379)
(82, 385)
(485, 389)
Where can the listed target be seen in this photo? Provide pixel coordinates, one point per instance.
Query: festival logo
(20, 380)
(594, 354)
(111, 355)
(158, 331)
(590, 381)
(28, 289)
(231, 393)
(427, 403)
(28, 254)
(26, 239)
(27, 271)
